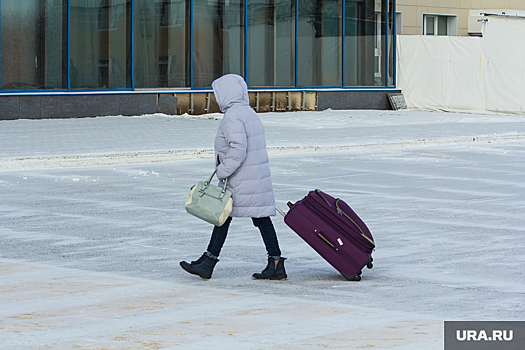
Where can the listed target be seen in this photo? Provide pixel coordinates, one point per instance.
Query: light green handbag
(209, 202)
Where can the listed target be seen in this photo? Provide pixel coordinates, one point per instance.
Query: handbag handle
(207, 183)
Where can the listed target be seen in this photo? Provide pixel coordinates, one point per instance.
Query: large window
(270, 42)
(218, 40)
(362, 28)
(162, 43)
(320, 43)
(100, 44)
(33, 44)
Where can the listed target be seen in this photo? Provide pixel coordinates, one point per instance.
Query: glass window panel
(218, 40)
(381, 55)
(429, 25)
(385, 49)
(161, 43)
(100, 44)
(320, 43)
(442, 25)
(271, 43)
(362, 43)
(391, 42)
(34, 51)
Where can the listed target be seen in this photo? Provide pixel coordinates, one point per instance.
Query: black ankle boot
(271, 272)
(202, 267)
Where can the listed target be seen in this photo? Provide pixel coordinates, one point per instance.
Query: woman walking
(241, 157)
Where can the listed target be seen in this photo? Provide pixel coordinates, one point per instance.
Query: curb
(83, 160)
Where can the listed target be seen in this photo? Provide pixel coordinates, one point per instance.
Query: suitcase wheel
(355, 278)
(369, 263)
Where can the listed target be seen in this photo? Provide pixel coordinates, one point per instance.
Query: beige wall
(413, 11)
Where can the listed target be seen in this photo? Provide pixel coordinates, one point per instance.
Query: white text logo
(496, 335)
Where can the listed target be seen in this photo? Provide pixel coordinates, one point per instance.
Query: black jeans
(265, 225)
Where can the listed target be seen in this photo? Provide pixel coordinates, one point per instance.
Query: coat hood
(229, 90)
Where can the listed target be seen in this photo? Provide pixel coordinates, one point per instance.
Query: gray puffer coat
(240, 151)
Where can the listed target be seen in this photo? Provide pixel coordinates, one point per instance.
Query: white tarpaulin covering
(466, 74)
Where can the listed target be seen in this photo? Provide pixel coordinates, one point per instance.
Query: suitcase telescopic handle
(289, 204)
(324, 239)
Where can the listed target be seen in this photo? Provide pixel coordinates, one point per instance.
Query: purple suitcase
(334, 231)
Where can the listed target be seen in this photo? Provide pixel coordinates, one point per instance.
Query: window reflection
(33, 44)
(189, 43)
(100, 44)
(218, 40)
(362, 42)
(320, 43)
(161, 43)
(270, 42)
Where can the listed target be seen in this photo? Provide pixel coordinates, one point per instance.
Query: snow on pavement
(89, 255)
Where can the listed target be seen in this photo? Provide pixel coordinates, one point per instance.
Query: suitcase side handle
(324, 239)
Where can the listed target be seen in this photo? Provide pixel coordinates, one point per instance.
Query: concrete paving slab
(46, 307)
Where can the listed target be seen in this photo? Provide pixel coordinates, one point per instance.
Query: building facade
(82, 48)
(445, 17)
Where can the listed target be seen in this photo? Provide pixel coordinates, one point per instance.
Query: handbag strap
(207, 183)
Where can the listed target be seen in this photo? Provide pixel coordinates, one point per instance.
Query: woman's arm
(234, 135)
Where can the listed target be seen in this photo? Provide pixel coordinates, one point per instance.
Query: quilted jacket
(240, 151)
